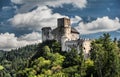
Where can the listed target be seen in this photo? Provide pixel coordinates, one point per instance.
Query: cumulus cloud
(5, 8)
(17, 1)
(31, 37)
(9, 41)
(99, 25)
(44, 17)
(28, 4)
(76, 19)
(78, 3)
(35, 20)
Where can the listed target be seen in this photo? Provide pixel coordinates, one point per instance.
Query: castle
(68, 36)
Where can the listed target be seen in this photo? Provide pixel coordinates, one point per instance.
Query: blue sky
(21, 20)
(94, 8)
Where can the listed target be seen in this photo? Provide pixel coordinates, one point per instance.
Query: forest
(47, 60)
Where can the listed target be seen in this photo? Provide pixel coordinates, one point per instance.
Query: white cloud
(43, 17)
(28, 4)
(9, 41)
(99, 25)
(76, 19)
(10, 8)
(5, 8)
(31, 37)
(18, 1)
(35, 20)
(77, 3)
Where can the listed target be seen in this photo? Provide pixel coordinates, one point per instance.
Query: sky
(21, 20)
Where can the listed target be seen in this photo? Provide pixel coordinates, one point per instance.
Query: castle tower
(63, 22)
(65, 28)
(46, 34)
(65, 31)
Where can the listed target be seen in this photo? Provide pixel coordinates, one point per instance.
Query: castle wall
(79, 44)
(86, 47)
(74, 36)
(72, 44)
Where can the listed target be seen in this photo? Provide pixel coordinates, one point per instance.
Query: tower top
(63, 22)
(64, 18)
(48, 28)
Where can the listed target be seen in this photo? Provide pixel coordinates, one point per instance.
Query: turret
(63, 22)
(64, 25)
(46, 34)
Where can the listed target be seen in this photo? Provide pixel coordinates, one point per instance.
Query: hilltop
(47, 59)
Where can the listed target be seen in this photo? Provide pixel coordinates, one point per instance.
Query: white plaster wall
(63, 43)
(74, 36)
(86, 47)
(72, 44)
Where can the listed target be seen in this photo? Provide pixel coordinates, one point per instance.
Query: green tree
(118, 43)
(1, 67)
(89, 65)
(46, 49)
(105, 55)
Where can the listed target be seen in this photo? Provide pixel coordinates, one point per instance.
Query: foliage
(15, 60)
(105, 55)
(1, 67)
(47, 60)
